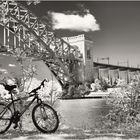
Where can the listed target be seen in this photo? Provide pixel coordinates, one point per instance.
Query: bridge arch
(36, 39)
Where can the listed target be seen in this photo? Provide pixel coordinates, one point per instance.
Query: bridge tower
(85, 46)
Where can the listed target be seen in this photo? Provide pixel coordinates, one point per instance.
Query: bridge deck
(102, 65)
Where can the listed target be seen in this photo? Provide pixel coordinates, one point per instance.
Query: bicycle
(44, 117)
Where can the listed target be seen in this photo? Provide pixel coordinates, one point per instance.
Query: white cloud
(75, 22)
(12, 65)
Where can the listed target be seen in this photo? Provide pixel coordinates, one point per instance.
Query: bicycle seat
(10, 87)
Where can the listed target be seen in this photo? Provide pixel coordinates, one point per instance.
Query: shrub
(50, 92)
(76, 90)
(125, 107)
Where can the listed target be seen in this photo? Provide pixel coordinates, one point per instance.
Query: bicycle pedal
(15, 126)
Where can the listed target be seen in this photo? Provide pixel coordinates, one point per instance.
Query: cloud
(12, 65)
(74, 22)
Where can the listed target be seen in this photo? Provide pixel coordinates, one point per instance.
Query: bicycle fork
(43, 112)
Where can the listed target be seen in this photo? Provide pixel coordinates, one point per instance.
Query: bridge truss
(36, 39)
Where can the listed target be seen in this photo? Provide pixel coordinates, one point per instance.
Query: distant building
(85, 46)
(88, 70)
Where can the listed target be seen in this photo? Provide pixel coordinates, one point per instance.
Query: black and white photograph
(69, 70)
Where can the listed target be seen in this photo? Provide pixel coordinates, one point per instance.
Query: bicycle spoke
(5, 118)
(45, 118)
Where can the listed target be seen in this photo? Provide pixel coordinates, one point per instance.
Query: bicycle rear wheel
(5, 118)
(45, 118)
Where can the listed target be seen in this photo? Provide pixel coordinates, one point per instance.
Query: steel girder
(37, 39)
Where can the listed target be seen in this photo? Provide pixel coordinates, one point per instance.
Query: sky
(119, 22)
(116, 32)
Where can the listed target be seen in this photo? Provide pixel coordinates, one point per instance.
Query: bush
(50, 92)
(76, 90)
(125, 107)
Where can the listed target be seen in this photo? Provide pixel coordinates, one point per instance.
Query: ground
(63, 132)
(60, 135)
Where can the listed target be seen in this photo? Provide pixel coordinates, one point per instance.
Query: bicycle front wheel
(45, 118)
(5, 118)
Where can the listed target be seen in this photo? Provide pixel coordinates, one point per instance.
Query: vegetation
(124, 113)
(76, 90)
(26, 81)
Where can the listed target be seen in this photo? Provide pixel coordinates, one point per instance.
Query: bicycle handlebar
(42, 84)
(9, 88)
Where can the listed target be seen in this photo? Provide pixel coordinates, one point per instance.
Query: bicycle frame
(31, 94)
(16, 113)
(22, 98)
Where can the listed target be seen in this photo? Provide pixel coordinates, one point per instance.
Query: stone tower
(85, 46)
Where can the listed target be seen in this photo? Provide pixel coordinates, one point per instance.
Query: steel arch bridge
(36, 39)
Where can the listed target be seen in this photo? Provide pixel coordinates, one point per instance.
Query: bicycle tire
(7, 109)
(45, 121)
